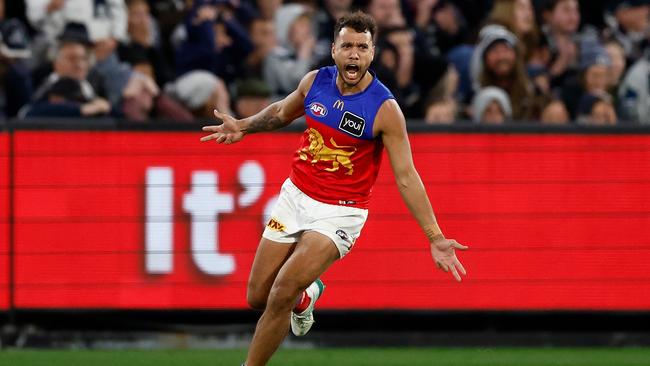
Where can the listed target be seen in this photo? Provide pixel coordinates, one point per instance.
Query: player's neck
(347, 89)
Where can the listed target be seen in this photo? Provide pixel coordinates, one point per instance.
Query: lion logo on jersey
(321, 152)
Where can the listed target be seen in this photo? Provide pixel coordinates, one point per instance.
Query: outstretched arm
(276, 115)
(391, 125)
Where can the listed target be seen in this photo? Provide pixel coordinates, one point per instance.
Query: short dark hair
(359, 21)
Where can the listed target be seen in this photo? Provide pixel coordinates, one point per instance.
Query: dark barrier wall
(4, 218)
(157, 220)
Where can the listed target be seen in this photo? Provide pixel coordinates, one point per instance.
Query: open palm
(444, 254)
(226, 133)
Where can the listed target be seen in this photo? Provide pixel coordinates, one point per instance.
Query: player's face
(352, 53)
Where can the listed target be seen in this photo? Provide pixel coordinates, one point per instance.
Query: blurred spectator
(105, 21)
(593, 75)
(65, 98)
(442, 107)
(141, 48)
(142, 100)
(594, 67)
(628, 21)
(387, 13)
(492, 106)
(72, 60)
(634, 92)
(555, 113)
(495, 62)
(617, 66)
(596, 110)
(407, 91)
(262, 34)
(440, 23)
(268, 8)
(215, 41)
(15, 79)
(201, 92)
(325, 19)
(252, 96)
(519, 18)
(561, 23)
(289, 62)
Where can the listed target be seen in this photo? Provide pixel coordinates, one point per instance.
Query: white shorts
(295, 213)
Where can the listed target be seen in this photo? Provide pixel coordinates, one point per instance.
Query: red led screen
(157, 220)
(4, 220)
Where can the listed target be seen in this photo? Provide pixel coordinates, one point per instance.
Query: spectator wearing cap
(72, 60)
(14, 75)
(200, 92)
(634, 92)
(596, 110)
(294, 57)
(561, 20)
(252, 96)
(215, 41)
(495, 62)
(628, 22)
(105, 21)
(492, 106)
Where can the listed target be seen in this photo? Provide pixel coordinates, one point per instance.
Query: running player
(323, 205)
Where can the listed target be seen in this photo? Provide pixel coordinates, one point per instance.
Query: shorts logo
(318, 109)
(275, 225)
(343, 235)
(352, 124)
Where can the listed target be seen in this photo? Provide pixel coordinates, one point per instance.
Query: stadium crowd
(488, 61)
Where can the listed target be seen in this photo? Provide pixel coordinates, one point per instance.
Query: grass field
(341, 357)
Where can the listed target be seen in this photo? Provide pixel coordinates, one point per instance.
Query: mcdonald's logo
(339, 104)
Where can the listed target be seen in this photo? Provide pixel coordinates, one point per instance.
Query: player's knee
(255, 297)
(255, 301)
(282, 296)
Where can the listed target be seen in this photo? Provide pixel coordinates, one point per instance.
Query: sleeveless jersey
(338, 159)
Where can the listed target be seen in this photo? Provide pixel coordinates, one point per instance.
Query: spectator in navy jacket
(215, 42)
(15, 81)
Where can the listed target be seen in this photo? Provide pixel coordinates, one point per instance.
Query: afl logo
(318, 109)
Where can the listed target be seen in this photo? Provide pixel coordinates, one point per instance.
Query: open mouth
(351, 71)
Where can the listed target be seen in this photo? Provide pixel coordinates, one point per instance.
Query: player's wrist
(242, 126)
(433, 232)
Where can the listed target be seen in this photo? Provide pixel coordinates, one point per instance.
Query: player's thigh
(313, 255)
(269, 258)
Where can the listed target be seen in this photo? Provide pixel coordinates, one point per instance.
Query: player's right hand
(228, 132)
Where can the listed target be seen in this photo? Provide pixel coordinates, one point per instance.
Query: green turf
(341, 357)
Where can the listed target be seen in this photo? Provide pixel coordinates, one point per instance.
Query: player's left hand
(443, 253)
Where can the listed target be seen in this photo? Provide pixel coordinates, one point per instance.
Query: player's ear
(333, 49)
